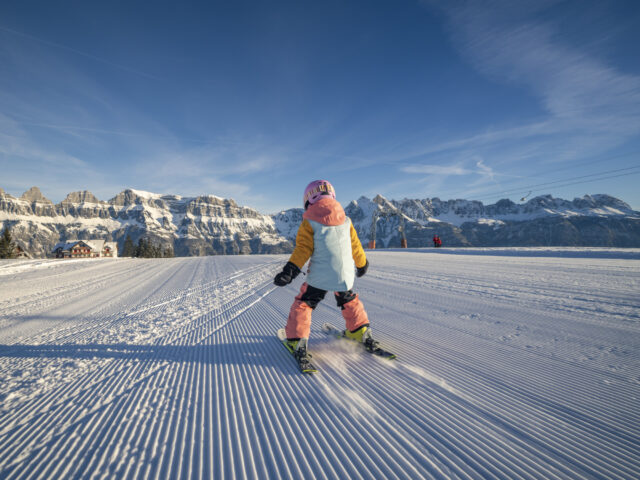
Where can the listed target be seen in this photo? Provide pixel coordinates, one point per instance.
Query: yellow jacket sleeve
(356, 249)
(304, 245)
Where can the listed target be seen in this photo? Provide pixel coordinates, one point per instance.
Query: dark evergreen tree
(140, 248)
(148, 250)
(7, 246)
(145, 249)
(129, 249)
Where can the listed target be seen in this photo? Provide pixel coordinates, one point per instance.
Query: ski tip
(385, 355)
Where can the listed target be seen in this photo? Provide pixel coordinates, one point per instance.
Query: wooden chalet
(85, 249)
(110, 249)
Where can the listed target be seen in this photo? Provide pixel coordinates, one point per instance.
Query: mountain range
(204, 225)
(210, 225)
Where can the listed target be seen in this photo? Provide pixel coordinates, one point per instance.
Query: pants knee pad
(312, 296)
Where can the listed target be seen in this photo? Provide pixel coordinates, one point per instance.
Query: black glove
(288, 273)
(360, 271)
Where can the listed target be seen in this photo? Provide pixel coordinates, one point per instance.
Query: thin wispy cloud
(485, 170)
(68, 116)
(436, 169)
(587, 106)
(78, 52)
(16, 142)
(451, 97)
(482, 171)
(581, 94)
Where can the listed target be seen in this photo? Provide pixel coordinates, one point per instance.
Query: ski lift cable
(575, 183)
(529, 187)
(525, 187)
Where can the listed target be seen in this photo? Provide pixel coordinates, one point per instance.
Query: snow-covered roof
(96, 245)
(68, 245)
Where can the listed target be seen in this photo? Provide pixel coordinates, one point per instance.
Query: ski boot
(363, 335)
(360, 335)
(299, 350)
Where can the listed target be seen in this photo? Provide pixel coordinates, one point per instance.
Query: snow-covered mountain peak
(84, 196)
(137, 197)
(589, 205)
(145, 194)
(470, 222)
(34, 195)
(208, 224)
(383, 203)
(603, 201)
(203, 225)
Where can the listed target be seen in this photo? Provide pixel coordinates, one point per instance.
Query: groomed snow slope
(508, 367)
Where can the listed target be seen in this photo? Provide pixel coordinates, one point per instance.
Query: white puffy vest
(331, 267)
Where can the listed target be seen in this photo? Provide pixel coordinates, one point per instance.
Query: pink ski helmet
(315, 190)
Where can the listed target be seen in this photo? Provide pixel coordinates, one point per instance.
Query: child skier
(327, 236)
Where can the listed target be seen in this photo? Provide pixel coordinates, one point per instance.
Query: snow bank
(12, 267)
(565, 252)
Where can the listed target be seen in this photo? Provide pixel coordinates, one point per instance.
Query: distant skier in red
(437, 242)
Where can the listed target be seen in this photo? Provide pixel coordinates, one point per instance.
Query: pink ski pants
(299, 321)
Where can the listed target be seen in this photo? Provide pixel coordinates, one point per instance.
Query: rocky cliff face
(593, 220)
(205, 225)
(596, 220)
(210, 225)
(288, 221)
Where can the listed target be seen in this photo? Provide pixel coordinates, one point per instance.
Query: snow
(512, 363)
(65, 220)
(11, 267)
(524, 214)
(490, 222)
(565, 252)
(270, 238)
(285, 225)
(458, 220)
(148, 195)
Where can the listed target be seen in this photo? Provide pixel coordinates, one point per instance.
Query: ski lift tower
(387, 214)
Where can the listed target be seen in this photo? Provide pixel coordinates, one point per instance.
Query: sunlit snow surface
(512, 363)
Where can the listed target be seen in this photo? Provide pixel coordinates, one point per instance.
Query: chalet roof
(68, 245)
(95, 245)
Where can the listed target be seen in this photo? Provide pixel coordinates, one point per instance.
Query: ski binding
(304, 361)
(369, 344)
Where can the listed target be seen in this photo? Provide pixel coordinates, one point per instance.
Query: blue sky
(253, 99)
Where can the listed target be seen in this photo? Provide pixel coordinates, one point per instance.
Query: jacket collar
(326, 211)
